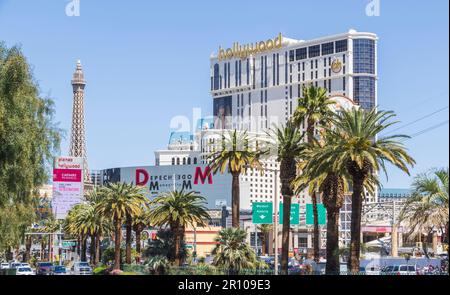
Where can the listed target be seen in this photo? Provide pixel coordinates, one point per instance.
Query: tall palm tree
(235, 156)
(265, 231)
(426, 211)
(232, 252)
(71, 227)
(287, 145)
(313, 109)
(355, 146)
(140, 222)
(179, 209)
(120, 202)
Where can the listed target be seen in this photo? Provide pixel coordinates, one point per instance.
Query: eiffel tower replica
(77, 138)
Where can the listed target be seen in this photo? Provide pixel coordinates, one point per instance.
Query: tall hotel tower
(77, 139)
(258, 84)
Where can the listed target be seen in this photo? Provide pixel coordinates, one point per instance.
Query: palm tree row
(109, 208)
(342, 149)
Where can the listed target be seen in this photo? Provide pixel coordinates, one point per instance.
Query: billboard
(216, 188)
(67, 184)
(222, 107)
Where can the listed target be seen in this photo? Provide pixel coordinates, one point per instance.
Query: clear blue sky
(148, 61)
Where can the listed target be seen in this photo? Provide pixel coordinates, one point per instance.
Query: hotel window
(324, 72)
(364, 56)
(300, 53)
(303, 66)
(341, 45)
(343, 83)
(343, 58)
(173, 161)
(237, 100)
(329, 85)
(184, 161)
(316, 63)
(216, 77)
(195, 160)
(265, 95)
(229, 75)
(327, 48)
(178, 161)
(316, 74)
(324, 62)
(291, 55)
(312, 64)
(248, 71)
(313, 51)
(303, 76)
(254, 76)
(273, 69)
(236, 73)
(312, 75)
(290, 91)
(265, 71)
(278, 69)
(285, 67)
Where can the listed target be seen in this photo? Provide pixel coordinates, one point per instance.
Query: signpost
(262, 212)
(295, 214)
(321, 211)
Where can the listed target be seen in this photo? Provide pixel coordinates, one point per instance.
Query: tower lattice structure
(78, 139)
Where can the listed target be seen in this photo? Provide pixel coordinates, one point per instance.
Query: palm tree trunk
(332, 266)
(128, 239)
(27, 254)
(117, 236)
(355, 237)
(97, 249)
(49, 248)
(263, 243)
(235, 200)
(83, 248)
(92, 249)
(316, 240)
(310, 129)
(285, 234)
(177, 232)
(138, 244)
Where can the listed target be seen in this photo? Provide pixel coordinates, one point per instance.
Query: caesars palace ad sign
(216, 188)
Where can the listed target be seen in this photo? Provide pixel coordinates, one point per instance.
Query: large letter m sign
(203, 175)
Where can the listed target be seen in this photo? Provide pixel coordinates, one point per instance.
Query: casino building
(254, 86)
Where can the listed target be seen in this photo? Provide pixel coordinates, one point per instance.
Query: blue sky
(148, 61)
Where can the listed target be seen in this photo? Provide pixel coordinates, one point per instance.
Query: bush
(101, 270)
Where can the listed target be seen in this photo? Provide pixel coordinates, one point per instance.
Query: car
(24, 271)
(4, 265)
(373, 270)
(44, 268)
(25, 265)
(14, 264)
(59, 270)
(81, 268)
(407, 269)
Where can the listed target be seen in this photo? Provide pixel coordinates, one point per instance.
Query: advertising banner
(67, 185)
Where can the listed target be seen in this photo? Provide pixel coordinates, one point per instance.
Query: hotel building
(256, 86)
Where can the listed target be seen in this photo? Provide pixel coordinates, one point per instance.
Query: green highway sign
(68, 244)
(262, 212)
(295, 214)
(321, 211)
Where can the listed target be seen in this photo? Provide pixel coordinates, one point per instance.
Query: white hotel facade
(253, 90)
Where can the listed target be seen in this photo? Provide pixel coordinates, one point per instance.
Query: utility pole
(394, 233)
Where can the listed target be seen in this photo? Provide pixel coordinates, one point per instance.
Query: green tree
(265, 230)
(355, 146)
(426, 211)
(235, 156)
(164, 245)
(140, 222)
(28, 141)
(179, 209)
(287, 144)
(232, 252)
(314, 108)
(120, 203)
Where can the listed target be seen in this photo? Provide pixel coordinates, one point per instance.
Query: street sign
(321, 211)
(262, 212)
(68, 244)
(295, 214)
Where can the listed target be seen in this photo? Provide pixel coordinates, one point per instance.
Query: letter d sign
(73, 8)
(373, 8)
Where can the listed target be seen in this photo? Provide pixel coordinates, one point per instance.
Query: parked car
(4, 265)
(14, 264)
(44, 268)
(407, 270)
(24, 271)
(81, 268)
(25, 265)
(59, 270)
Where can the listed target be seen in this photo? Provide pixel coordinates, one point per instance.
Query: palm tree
(232, 252)
(288, 146)
(121, 201)
(265, 231)
(313, 108)
(427, 210)
(355, 146)
(179, 209)
(140, 222)
(235, 156)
